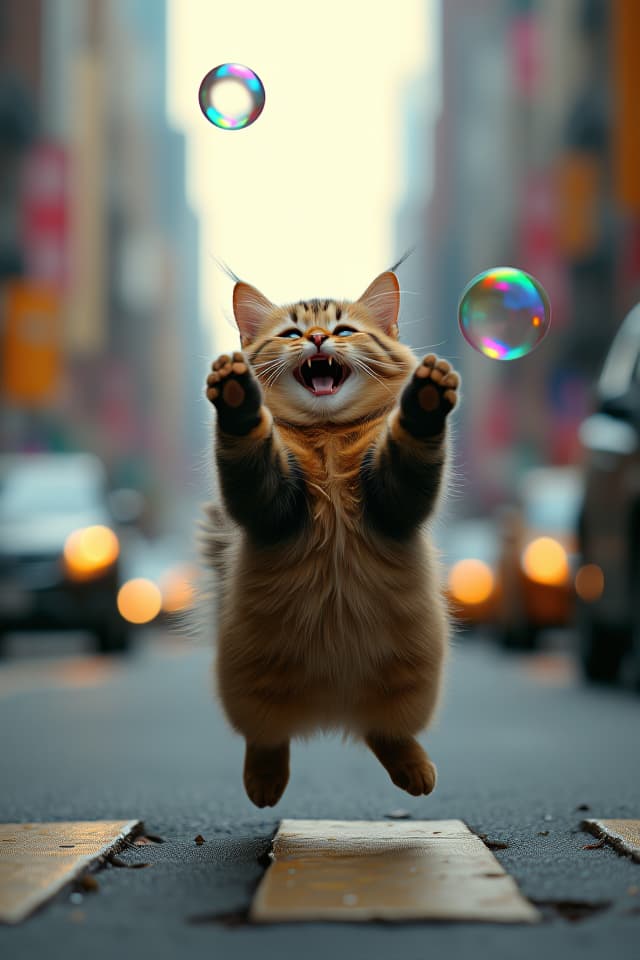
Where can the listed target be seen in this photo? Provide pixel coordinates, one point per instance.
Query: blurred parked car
(469, 551)
(608, 583)
(538, 556)
(59, 551)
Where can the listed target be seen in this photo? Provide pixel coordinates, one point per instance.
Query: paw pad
(233, 394)
(429, 398)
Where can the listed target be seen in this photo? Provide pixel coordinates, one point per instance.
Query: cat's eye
(290, 333)
(344, 331)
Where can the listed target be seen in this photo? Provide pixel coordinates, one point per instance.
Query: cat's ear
(382, 300)
(250, 308)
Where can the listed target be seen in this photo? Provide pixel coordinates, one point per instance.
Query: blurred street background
(482, 132)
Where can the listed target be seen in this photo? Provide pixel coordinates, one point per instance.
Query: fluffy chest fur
(338, 599)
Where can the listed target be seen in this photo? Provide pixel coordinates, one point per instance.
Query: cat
(331, 443)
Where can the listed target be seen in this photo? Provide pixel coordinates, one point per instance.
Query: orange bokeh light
(471, 581)
(178, 591)
(589, 582)
(545, 561)
(89, 551)
(139, 600)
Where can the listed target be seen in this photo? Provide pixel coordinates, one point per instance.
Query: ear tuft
(250, 308)
(382, 300)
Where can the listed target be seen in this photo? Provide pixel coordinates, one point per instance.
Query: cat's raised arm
(262, 485)
(401, 475)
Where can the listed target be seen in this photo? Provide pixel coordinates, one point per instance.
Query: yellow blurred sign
(30, 348)
(579, 184)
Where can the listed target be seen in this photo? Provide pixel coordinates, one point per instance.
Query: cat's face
(326, 360)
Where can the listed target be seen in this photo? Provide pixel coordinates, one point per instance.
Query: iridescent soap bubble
(504, 313)
(231, 96)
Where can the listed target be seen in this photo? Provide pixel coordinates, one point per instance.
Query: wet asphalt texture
(524, 752)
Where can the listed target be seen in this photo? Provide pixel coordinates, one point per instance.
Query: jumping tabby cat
(330, 448)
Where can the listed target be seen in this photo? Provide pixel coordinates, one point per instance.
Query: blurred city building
(101, 328)
(536, 160)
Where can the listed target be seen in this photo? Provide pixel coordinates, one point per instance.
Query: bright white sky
(302, 203)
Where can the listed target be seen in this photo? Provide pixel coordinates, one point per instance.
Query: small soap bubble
(504, 313)
(231, 96)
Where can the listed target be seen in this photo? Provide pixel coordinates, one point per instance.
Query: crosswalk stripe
(388, 870)
(623, 834)
(38, 859)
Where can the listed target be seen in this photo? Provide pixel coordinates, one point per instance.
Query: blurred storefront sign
(86, 330)
(628, 277)
(45, 204)
(626, 84)
(538, 239)
(30, 343)
(525, 47)
(579, 182)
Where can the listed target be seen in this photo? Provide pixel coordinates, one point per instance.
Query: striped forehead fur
(306, 310)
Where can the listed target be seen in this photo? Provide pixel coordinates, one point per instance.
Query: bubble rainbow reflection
(504, 313)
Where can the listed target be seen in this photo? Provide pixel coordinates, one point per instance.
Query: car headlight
(139, 600)
(546, 561)
(471, 581)
(89, 551)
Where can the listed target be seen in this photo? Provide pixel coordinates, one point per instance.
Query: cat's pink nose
(319, 338)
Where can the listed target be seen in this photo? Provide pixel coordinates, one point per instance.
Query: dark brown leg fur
(266, 773)
(406, 762)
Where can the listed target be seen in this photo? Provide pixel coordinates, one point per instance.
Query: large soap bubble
(504, 313)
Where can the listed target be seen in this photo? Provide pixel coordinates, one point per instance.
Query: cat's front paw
(235, 393)
(429, 397)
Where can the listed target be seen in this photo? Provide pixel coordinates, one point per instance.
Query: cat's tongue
(322, 385)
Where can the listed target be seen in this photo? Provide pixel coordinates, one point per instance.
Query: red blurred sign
(537, 246)
(526, 55)
(45, 222)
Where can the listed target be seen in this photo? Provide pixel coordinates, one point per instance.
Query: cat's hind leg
(266, 773)
(408, 765)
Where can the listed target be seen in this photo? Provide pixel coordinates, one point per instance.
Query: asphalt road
(521, 747)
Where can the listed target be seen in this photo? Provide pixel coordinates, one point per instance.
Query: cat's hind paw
(418, 779)
(266, 773)
(406, 762)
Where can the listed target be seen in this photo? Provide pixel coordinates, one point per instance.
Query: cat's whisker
(268, 363)
(276, 373)
(428, 346)
(270, 370)
(379, 362)
(361, 365)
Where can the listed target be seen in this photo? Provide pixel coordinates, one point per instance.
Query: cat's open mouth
(322, 375)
